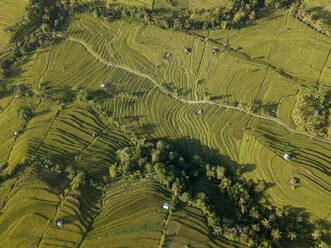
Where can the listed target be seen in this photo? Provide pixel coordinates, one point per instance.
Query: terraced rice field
(66, 134)
(76, 212)
(131, 216)
(29, 202)
(10, 13)
(70, 140)
(9, 122)
(261, 71)
(187, 226)
(277, 171)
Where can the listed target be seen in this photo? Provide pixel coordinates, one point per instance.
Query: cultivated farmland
(10, 13)
(143, 107)
(90, 96)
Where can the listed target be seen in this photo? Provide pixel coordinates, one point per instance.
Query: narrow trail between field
(89, 227)
(11, 100)
(323, 67)
(163, 90)
(269, 58)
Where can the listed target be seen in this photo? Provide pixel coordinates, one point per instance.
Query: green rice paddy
(10, 13)
(261, 72)
(277, 56)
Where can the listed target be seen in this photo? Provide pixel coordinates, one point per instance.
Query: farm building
(293, 181)
(214, 50)
(167, 55)
(16, 133)
(233, 231)
(166, 206)
(225, 44)
(186, 50)
(272, 113)
(286, 156)
(59, 223)
(199, 112)
(236, 48)
(103, 86)
(317, 112)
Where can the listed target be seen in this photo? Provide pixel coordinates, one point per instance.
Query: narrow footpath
(163, 90)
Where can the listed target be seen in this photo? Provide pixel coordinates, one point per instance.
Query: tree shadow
(147, 129)
(98, 95)
(320, 13)
(214, 98)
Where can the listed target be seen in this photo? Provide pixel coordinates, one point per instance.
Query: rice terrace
(165, 123)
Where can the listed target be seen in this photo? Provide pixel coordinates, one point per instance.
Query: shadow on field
(267, 14)
(214, 98)
(192, 148)
(301, 155)
(320, 13)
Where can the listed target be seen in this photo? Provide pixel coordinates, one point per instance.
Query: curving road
(163, 90)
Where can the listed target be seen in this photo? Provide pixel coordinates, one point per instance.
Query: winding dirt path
(163, 90)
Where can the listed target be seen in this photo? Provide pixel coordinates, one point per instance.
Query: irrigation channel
(163, 90)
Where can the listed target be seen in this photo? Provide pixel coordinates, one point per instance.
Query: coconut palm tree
(322, 244)
(291, 235)
(276, 234)
(265, 223)
(316, 234)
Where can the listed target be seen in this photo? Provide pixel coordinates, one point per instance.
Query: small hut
(233, 231)
(167, 55)
(2, 167)
(16, 133)
(225, 44)
(214, 50)
(199, 112)
(272, 113)
(165, 206)
(94, 135)
(236, 48)
(103, 86)
(23, 87)
(187, 50)
(317, 112)
(59, 223)
(293, 181)
(287, 156)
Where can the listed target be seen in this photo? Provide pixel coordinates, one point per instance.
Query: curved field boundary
(163, 90)
(311, 177)
(11, 100)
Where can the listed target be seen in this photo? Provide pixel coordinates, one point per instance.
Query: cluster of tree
(251, 219)
(311, 113)
(299, 11)
(237, 14)
(42, 17)
(234, 15)
(279, 3)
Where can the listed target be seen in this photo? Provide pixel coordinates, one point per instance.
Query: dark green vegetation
(200, 101)
(312, 113)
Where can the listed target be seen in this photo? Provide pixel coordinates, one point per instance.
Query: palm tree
(322, 244)
(316, 234)
(276, 234)
(265, 223)
(291, 235)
